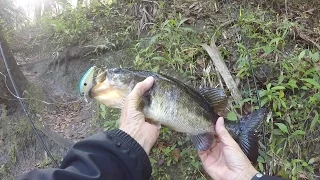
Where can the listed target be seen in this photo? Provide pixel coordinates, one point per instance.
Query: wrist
(248, 173)
(141, 140)
(257, 176)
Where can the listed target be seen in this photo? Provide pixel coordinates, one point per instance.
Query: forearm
(112, 154)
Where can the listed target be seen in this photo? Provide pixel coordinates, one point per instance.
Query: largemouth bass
(179, 107)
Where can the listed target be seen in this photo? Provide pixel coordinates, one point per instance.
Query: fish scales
(168, 106)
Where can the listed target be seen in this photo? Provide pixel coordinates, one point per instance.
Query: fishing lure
(86, 82)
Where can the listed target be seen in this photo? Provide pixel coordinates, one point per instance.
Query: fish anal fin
(202, 142)
(216, 97)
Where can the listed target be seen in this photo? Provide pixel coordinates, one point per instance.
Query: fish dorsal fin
(217, 99)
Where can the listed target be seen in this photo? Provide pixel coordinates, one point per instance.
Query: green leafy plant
(172, 45)
(292, 93)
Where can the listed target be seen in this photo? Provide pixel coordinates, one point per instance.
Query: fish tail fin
(248, 138)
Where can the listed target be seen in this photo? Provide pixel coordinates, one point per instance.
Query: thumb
(222, 132)
(139, 90)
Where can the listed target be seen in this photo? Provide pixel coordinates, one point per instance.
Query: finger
(141, 88)
(222, 132)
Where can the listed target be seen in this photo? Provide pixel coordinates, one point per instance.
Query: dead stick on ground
(223, 70)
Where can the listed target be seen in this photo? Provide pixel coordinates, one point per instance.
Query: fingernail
(149, 79)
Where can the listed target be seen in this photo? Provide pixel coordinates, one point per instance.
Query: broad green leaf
(167, 29)
(165, 24)
(154, 38)
(279, 150)
(281, 78)
(264, 101)
(232, 116)
(315, 57)
(241, 73)
(296, 161)
(314, 121)
(310, 169)
(312, 81)
(152, 161)
(281, 140)
(293, 83)
(267, 49)
(159, 58)
(283, 104)
(262, 93)
(261, 167)
(311, 161)
(282, 127)
(304, 164)
(275, 40)
(310, 71)
(277, 132)
(103, 114)
(246, 100)
(281, 94)
(187, 29)
(260, 159)
(298, 132)
(102, 107)
(278, 87)
(268, 86)
(155, 69)
(302, 54)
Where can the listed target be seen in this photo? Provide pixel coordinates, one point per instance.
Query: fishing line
(25, 110)
(242, 39)
(256, 92)
(48, 103)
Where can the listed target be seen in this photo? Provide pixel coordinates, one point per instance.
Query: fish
(173, 104)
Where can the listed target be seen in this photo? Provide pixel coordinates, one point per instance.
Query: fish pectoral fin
(248, 139)
(203, 141)
(217, 99)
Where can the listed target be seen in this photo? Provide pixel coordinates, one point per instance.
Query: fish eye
(85, 84)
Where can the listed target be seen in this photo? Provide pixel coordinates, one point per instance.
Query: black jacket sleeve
(109, 155)
(270, 178)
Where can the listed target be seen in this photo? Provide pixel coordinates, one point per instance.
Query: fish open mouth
(108, 95)
(102, 86)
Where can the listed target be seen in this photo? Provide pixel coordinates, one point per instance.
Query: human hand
(132, 120)
(225, 159)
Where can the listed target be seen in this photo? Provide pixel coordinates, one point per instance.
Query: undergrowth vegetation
(292, 94)
(287, 71)
(19, 132)
(289, 85)
(85, 25)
